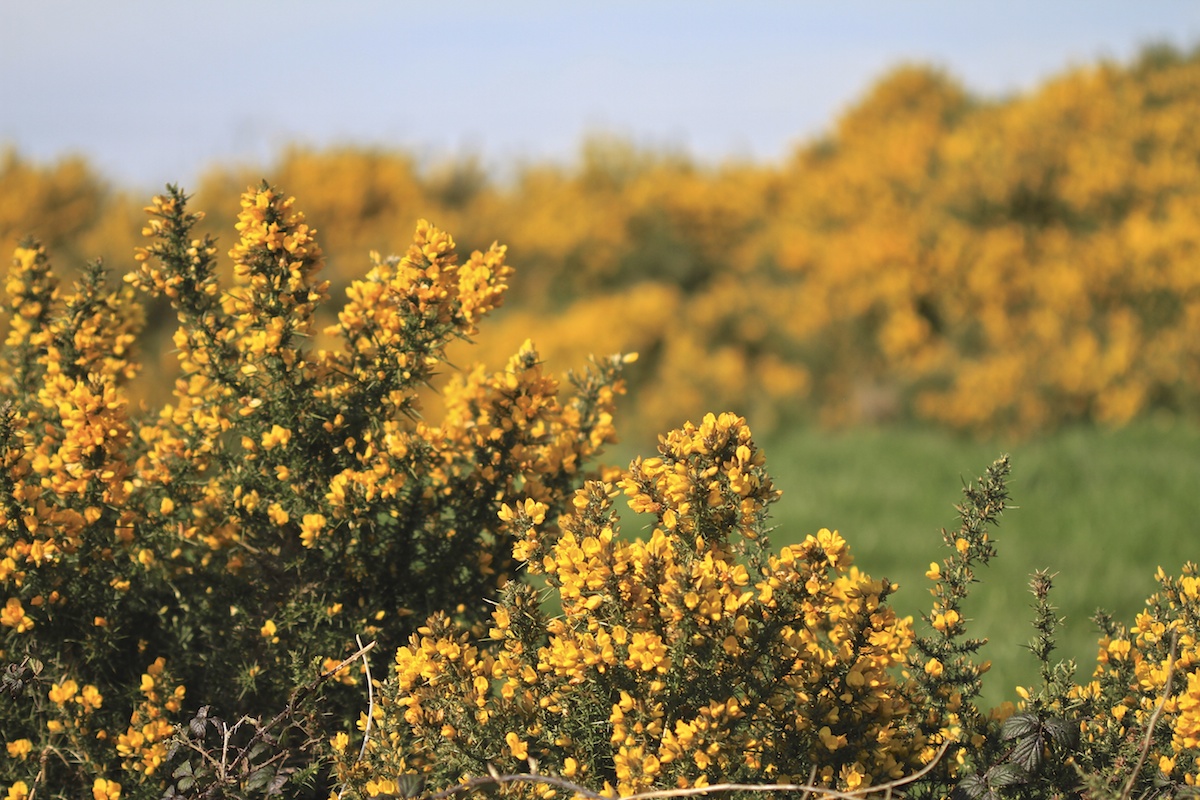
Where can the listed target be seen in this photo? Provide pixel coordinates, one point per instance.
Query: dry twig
(1128, 791)
(819, 791)
(362, 653)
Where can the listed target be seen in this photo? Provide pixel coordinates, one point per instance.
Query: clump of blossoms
(1136, 724)
(211, 559)
(693, 657)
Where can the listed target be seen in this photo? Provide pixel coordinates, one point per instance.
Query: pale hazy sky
(153, 90)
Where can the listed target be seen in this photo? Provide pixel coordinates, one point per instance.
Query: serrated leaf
(183, 769)
(974, 787)
(199, 723)
(185, 784)
(1006, 775)
(257, 750)
(1027, 752)
(1019, 725)
(276, 786)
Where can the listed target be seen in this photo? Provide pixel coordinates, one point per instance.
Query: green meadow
(1103, 509)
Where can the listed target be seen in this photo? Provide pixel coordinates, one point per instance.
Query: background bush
(988, 265)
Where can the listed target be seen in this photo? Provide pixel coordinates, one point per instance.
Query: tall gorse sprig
(944, 659)
(31, 294)
(1029, 748)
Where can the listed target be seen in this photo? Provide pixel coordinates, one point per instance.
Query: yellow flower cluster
(1130, 682)
(66, 434)
(686, 659)
(143, 745)
(68, 691)
(275, 293)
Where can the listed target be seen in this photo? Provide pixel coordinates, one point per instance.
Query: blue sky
(153, 92)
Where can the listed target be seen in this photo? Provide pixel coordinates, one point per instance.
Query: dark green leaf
(490, 788)
(411, 784)
(974, 787)
(1019, 725)
(199, 723)
(1028, 754)
(259, 779)
(281, 778)
(1006, 775)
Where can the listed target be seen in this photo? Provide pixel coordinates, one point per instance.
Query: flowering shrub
(697, 658)
(221, 553)
(1010, 265)
(692, 658)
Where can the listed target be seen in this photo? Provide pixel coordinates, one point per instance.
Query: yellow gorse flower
(104, 789)
(13, 616)
(19, 748)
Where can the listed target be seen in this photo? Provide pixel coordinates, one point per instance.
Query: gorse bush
(699, 659)
(224, 550)
(693, 657)
(193, 596)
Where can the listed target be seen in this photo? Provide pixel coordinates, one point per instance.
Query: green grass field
(1103, 509)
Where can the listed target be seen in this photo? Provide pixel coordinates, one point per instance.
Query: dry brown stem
(1128, 790)
(818, 791)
